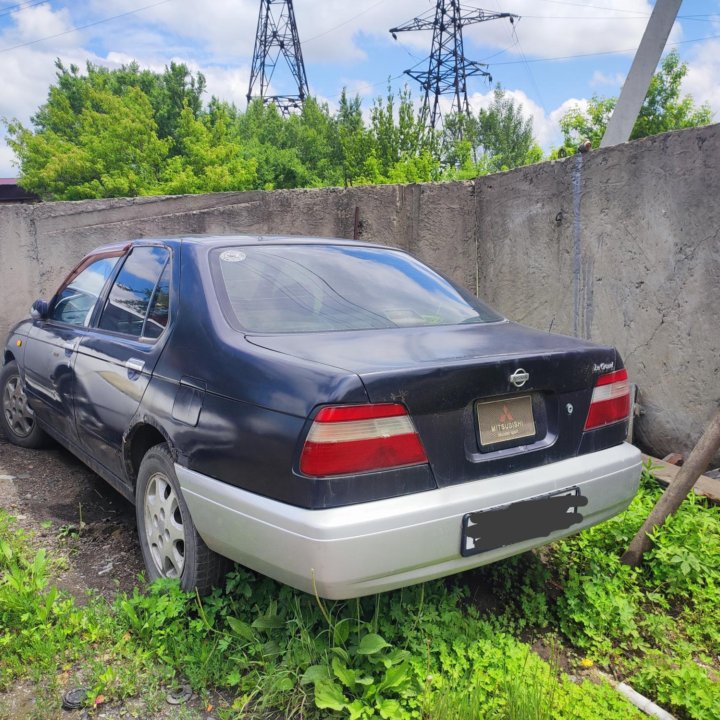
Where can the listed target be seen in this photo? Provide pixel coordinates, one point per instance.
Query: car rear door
(116, 359)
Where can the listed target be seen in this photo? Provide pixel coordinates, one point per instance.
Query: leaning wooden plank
(705, 486)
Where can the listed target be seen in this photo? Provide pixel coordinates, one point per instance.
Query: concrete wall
(621, 245)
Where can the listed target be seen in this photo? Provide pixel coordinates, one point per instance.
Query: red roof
(8, 181)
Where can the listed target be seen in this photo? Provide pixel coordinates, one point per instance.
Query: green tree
(168, 92)
(109, 149)
(400, 146)
(208, 158)
(505, 135)
(664, 109)
(130, 131)
(354, 143)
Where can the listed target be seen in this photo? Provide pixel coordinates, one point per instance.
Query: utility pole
(277, 36)
(643, 66)
(448, 68)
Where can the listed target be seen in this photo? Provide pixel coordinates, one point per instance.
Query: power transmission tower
(277, 36)
(448, 68)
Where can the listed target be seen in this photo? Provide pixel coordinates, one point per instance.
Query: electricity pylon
(448, 68)
(277, 36)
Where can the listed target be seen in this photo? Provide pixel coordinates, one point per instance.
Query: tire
(171, 545)
(17, 420)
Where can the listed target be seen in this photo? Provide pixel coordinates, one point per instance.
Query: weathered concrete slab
(621, 245)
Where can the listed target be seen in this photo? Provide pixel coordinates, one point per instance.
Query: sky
(559, 54)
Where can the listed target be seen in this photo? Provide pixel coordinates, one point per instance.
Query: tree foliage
(130, 131)
(664, 109)
(505, 134)
(498, 138)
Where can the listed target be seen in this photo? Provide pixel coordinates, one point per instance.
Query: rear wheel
(171, 545)
(17, 420)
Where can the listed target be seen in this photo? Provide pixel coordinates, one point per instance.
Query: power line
(527, 67)
(84, 27)
(637, 15)
(345, 22)
(594, 7)
(697, 18)
(19, 8)
(604, 52)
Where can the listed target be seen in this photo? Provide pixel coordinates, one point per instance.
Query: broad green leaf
(395, 657)
(314, 674)
(284, 685)
(343, 673)
(390, 710)
(395, 677)
(6, 549)
(268, 622)
(341, 632)
(371, 644)
(342, 654)
(241, 628)
(329, 695)
(356, 709)
(271, 649)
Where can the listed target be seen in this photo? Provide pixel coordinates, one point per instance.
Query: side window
(75, 302)
(136, 285)
(157, 317)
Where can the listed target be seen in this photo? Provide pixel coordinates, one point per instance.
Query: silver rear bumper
(376, 546)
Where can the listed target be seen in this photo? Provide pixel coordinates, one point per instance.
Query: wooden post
(676, 492)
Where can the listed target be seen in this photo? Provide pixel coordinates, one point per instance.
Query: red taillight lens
(361, 438)
(610, 400)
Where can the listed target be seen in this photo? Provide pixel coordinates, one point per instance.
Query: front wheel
(17, 420)
(171, 545)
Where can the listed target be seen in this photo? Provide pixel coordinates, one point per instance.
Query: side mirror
(39, 310)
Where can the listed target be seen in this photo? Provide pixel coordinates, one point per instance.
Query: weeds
(422, 652)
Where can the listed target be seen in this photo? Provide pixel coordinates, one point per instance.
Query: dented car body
(333, 414)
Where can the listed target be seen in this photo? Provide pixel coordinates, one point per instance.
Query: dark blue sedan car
(333, 414)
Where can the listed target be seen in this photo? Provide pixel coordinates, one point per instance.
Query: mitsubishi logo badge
(519, 377)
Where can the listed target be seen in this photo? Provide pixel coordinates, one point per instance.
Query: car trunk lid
(457, 383)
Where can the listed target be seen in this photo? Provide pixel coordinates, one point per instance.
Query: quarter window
(137, 286)
(157, 317)
(76, 301)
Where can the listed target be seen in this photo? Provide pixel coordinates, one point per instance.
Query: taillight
(610, 400)
(360, 438)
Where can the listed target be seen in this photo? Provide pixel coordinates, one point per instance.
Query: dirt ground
(70, 508)
(76, 515)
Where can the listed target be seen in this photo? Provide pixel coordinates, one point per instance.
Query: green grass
(422, 652)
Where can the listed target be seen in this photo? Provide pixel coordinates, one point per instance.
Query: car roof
(212, 241)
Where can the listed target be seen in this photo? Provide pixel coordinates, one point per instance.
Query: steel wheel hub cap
(17, 413)
(164, 528)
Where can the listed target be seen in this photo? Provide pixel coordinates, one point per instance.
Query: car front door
(50, 348)
(115, 360)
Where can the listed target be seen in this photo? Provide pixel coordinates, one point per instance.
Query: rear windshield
(315, 288)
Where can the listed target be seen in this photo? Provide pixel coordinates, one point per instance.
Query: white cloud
(701, 80)
(557, 29)
(7, 168)
(546, 126)
(363, 88)
(37, 22)
(601, 79)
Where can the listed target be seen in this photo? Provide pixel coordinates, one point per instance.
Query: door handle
(70, 346)
(134, 366)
